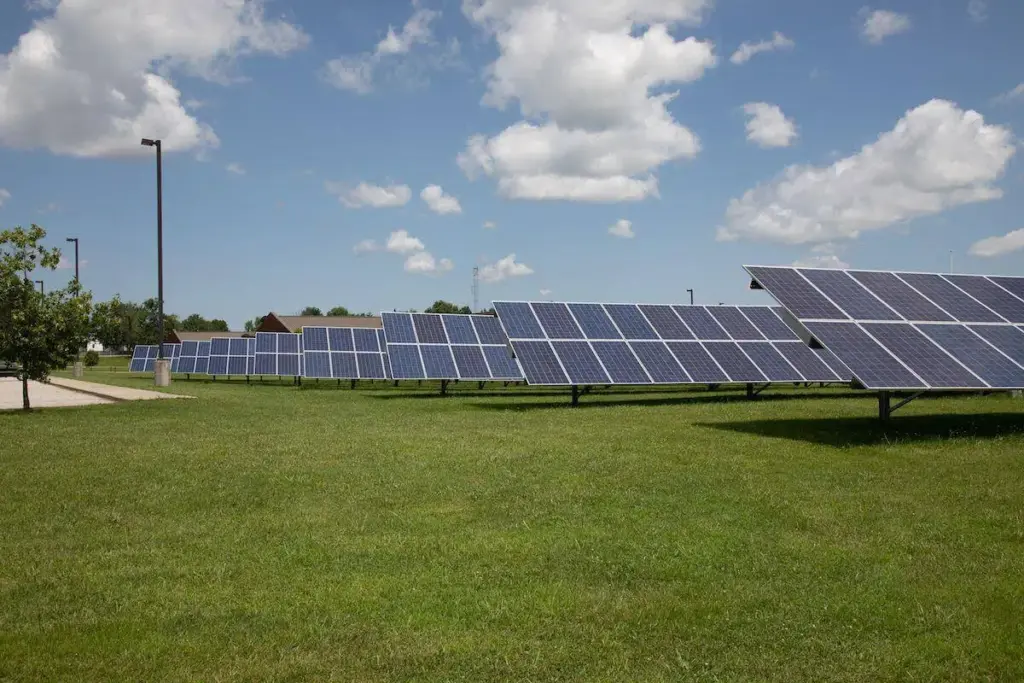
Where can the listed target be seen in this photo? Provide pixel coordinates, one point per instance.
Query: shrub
(92, 359)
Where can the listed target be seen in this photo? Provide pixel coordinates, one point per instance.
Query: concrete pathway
(61, 393)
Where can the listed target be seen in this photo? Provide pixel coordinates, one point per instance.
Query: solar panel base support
(885, 407)
(712, 387)
(444, 387)
(353, 384)
(575, 396)
(479, 385)
(752, 392)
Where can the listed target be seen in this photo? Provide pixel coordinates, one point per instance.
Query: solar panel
(594, 343)
(187, 357)
(142, 358)
(451, 346)
(793, 291)
(912, 330)
(343, 353)
(277, 354)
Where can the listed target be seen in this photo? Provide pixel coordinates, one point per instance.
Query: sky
(371, 154)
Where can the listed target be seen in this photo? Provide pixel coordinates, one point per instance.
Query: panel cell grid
(594, 321)
(460, 329)
(954, 301)
(518, 320)
(849, 294)
(580, 362)
(398, 328)
(900, 296)
(429, 329)
(469, 360)
(735, 323)
(488, 329)
(501, 363)
(366, 340)
(621, 364)
(867, 360)
(661, 365)
(806, 362)
(1014, 285)
(666, 323)
(992, 295)
(796, 293)
(556, 321)
(540, 365)
(1008, 339)
(734, 362)
(971, 350)
(630, 321)
(924, 358)
(697, 362)
(438, 362)
(769, 323)
(702, 323)
(774, 366)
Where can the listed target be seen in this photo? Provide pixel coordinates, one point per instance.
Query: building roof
(178, 336)
(294, 323)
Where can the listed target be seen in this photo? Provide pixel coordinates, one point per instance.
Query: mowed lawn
(268, 532)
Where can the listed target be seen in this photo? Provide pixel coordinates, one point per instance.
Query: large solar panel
(142, 358)
(563, 344)
(450, 346)
(344, 353)
(230, 356)
(896, 330)
(277, 353)
(172, 352)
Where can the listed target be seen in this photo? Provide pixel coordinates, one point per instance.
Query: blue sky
(313, 99)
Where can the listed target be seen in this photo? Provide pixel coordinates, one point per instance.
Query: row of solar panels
(897, 330)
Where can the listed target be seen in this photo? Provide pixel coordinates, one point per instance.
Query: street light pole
(691, 296)
(75, 240)
(159, 241)
(42, 288)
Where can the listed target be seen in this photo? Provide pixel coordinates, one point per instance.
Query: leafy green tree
(218, 325)
(149, 332)
(311, 310)
(251, 325)
(197, 323)
(447, 307)
(115, 323)
(338, 311)
(38, 332)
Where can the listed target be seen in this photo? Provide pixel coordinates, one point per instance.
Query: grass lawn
(267, 532)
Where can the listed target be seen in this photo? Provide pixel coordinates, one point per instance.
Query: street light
(159, 240)
(691, 296)
(75, 240)
(42, 288)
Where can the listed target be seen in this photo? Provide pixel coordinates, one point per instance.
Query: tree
(311, 310)
(446, 307)
(218, 325)
(149, 332)
(38, 332)
(338, 311)
(197, 323)
(116, 323)
(251, 325)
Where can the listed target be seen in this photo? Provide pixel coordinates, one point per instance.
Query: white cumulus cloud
(504, 268)
(545, 292)
(936, 157)
(997, 246)
(365, 246)
(977, 10)
(767, 126)
(439, 202)
(424, 263)
(401, 242)
(622, 228)
(879, 24)
(236, 168)
(592, 81)
(822, 256)
(93, 77)
(1011, 95)
(4, 196)
(367, 194)
(747, 50)
(490, 225)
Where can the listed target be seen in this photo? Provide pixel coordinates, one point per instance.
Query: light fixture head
(148, 143)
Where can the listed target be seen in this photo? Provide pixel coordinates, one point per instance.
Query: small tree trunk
(24, 393)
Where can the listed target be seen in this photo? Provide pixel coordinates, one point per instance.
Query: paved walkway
(60, 393)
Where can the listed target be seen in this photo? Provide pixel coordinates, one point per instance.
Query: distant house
(179, 336)
(294, 323)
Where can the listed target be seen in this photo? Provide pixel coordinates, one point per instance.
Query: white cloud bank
(369, 195)
(439, 202)
(936, 157)
(622, 228)
(882, 23)
(93, 77)
(997, 246)
(767, 126)
(503, 269)
(747, 51)
(417, 259)
(582, 75)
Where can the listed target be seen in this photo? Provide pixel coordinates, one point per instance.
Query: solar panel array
(562, 344)
(344, 353)
(448, 347)
(142, 358)
(278, 353)
(897, 330)
(231, 356)
(194, 357)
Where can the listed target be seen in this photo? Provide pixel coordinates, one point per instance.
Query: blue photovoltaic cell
(595, 321)
(1015, 285)
(438, 362)
(343, 365)
(370, 365)
(366, 340)
(501, 363)
(900, 296)
(697, 362)
(470, 362)
(203, 358)
(621, 364)
(661, 365)
(630, 321)
(556, 321)
(871, 364)
(666, 323)
(236, 365)
(955, 302)
(832, 361)
(139, 356)
(288, 364)
(266, 342)
(924, 358)
(219, 346)
(735, 323)
(398, 327)
(460, 329)
(238, 346)
(702, 323)
(518, 320)
(266, 364)
(540, 365)
(318, 363)
(488, 329)
(990, 294)
(996, 369)
(429, 329)
(1005, 338)
(735, 363)
(405, 361)
(315, 339)
(340, 339)
(187, 365)
(795, 293)
(807, 363)
(769, 323)
(774, 366)
(288, 343)
(218, 365)
(849, 294)
(580, 362)
(190, 348)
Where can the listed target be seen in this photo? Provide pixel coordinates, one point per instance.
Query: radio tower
(476, 289)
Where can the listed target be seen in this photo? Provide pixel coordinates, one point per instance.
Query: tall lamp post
(691, 296)
(42, 288)
(159, 253)
(75, 240)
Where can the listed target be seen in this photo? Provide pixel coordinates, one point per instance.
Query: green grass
(267, 532)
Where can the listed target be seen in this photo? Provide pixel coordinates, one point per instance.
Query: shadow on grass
(869, 431)
(614, 400)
